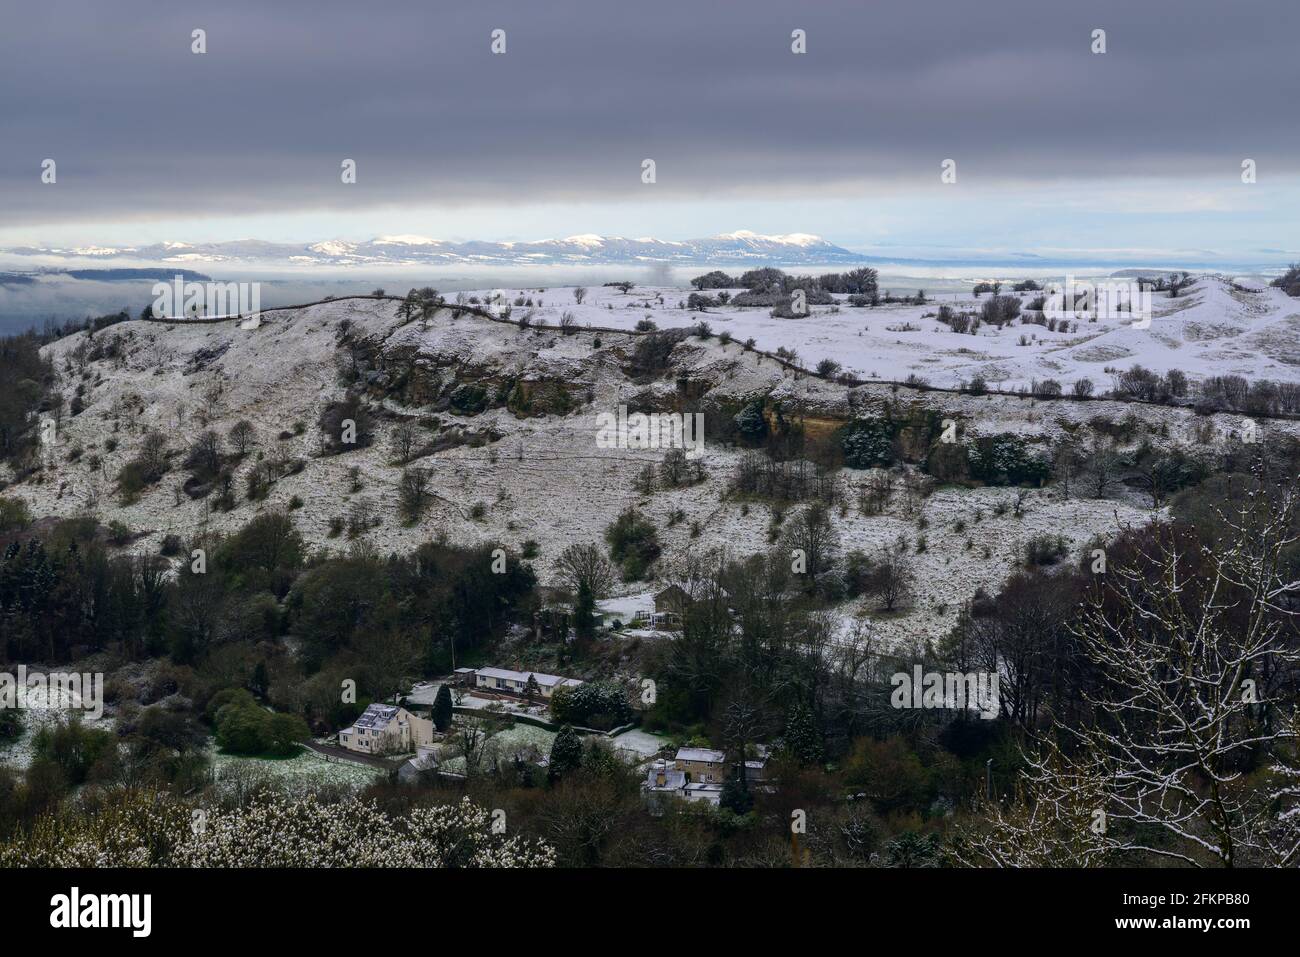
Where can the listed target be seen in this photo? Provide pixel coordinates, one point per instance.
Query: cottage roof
(674, 780)
(701, 754)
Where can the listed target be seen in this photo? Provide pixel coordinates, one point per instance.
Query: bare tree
(1022, 636)
(1102, 471)
(153, 454)
(745, 723)
(586, 566)
(1038, 828)
(195, 610)
(361, 517)
(1157, 474)
(1189, 640)
(848, 698)
(211, 407)
(388, 657)
(812, 534)
(579, 294)
(876, 493)
(581, 817)
(1066, 463)
(204, 455)
(403, 440)
(470, 739)
(893, 578)
(414, 494)
(242, 435)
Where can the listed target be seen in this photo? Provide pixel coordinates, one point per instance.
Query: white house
(387, 729)
(516, 682)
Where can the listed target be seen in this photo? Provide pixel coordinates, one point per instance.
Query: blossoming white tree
(275, 830)
(303, 832)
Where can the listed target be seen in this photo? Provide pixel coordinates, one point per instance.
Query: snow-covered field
(503, 745)
(304, 771)
(636, 745)
(1212, 329)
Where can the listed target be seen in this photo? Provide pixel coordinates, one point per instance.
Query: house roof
(701, 754)
(424, 761)
(376, 717)
(674, 780)
(691, 589)
(507, 674)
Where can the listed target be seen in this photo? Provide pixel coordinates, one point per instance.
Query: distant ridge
(728, 249)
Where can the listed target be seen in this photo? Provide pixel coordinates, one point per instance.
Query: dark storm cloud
(139, 126)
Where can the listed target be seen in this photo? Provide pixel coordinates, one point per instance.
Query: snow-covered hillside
(537, 473)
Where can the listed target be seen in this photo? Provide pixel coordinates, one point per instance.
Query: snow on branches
(1188, 750)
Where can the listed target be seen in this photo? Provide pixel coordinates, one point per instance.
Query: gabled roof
(701, 754)
(673, 780)
(673, 589)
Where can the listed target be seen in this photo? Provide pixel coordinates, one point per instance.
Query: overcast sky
(1057, 148)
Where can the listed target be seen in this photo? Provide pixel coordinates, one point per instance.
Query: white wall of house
(403, 733)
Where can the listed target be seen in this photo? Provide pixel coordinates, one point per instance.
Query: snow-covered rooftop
(506, 674)
(707, 755)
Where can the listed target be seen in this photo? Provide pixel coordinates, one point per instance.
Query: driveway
(334, 751)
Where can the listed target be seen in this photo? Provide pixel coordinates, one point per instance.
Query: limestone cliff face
(431, 379)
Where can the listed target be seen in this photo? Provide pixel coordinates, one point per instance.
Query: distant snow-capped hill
(738, 248)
